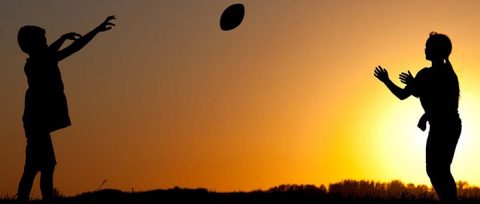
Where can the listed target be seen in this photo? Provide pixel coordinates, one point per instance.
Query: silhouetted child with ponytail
(438, 90)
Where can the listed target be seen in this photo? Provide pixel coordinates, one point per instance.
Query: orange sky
(168, 99)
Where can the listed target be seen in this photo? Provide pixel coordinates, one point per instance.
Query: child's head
(31, 39)
(438, 47)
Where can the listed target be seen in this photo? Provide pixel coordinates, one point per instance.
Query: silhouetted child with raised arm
(438, 90)
(45, 102)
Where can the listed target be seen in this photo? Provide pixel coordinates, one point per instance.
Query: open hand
(406, 78)
(71, 36)
(381, 73)
(106, 25)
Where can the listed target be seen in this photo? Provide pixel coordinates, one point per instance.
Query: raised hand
(106, 25)
(83, 40)
(406, 78)
(71, 36)
(381, 73)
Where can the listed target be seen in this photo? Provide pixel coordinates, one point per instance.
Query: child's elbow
(403, 97)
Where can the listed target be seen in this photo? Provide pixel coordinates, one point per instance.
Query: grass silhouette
(347, 191)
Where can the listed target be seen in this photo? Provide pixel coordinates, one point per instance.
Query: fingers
(109, 18)
(377, 71)
(404, 76)
(76, 35)
(407, 74)
(72, 36)
(107, 21)
(107, 25)
(381, 73)
(380, 69)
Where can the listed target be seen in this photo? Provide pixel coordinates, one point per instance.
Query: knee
(438, 170)
(47, 172)
(29, 172)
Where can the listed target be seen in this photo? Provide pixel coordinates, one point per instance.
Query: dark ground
(345, 192)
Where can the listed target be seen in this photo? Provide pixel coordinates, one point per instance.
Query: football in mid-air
(232, 17)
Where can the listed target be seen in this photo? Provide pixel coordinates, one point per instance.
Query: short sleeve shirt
(437, 89)
(45, 101)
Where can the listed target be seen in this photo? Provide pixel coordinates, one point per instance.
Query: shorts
(39, 153)
(442, 142)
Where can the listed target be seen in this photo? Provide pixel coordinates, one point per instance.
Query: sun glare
(398, 146)
(464, 163)
(402, 145)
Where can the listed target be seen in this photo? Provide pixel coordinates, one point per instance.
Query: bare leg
(25, 185)
(443, 183)
(46, 185)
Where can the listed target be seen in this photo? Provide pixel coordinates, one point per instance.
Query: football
(232, 17)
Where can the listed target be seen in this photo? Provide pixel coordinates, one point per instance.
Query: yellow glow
(168, 99)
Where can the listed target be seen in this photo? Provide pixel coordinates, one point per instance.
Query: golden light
(398, 146)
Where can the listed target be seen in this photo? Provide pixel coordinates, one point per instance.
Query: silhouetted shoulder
(417, 86)
(422, 73)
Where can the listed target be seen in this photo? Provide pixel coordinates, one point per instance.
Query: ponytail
(449, 65)
(450, 68)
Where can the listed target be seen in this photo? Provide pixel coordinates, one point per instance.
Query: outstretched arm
(55, 46)
(382, 74)
(84, 40)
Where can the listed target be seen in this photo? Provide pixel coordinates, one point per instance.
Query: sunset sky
(168, 99)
